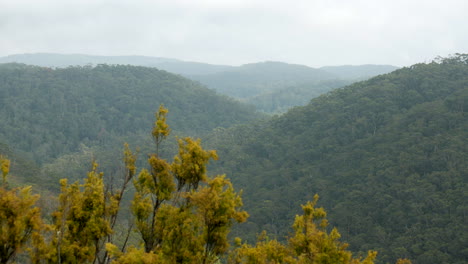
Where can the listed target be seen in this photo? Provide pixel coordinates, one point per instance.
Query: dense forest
(272, 87)
(388, 157)
(57, 120)
(179, 215)
(275, 87)
(48, 113)
(281, 100)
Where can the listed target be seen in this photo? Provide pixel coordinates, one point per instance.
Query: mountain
(273, 87)
(387, 156)
(66, 60)
(253, 79)
(358, 72)
(51, 112)
(281, 100)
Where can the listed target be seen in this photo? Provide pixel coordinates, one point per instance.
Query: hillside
(358, 72)
(275, 87)
(46, 113)
(256, 78)
(281, 100)
(66, 60)
(388, 157)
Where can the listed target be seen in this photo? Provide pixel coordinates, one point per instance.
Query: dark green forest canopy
(49, 112)
(272, 87)
(388, 156)
(281, 100)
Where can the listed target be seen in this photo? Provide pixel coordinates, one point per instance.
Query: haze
(313, 33)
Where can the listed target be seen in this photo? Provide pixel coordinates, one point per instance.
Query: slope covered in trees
(66, 60)
(275, 87)
(358, 72)
(48, 113)
(180, 214)
(388, 156)
(281, 100)
(253, 79)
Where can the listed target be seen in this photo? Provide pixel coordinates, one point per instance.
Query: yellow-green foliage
(218, 205)
(181, 214)
(80, 221)
(266, 251)
(311, 244)
(129, 160)
(403, 261)
(133, 256)
(189, 166)
(183, 223)
(19, 217)
(161, 128)
(5, 167)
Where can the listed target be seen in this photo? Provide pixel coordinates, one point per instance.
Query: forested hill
(356, 72)
(47, 113)
(66, 60)
(256, 78)
(275, 87)
(388, 157)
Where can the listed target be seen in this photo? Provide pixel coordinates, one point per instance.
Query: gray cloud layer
(315, 33)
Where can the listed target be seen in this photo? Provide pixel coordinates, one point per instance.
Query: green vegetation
(182, 216)
(48, 113)
(358, 72)
(67, 60)
(275, 87)
(253, 79)
(272, 87)
(388, 157)
(280, 101)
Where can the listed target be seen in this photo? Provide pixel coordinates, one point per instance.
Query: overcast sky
(311, 32)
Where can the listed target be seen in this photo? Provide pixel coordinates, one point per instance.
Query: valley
(384, 148)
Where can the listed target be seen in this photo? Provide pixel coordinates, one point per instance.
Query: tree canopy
(388, 157)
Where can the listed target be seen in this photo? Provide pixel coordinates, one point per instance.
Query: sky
(234, 32)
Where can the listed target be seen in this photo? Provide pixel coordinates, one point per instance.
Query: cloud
(309, 32)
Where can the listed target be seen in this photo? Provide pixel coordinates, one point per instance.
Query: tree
(20, 219)
(79, 223)
(217, 205)
(265, 251)
(181, 214)
(178, 221)
(311, 244)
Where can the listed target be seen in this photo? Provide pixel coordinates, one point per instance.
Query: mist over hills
(273, 87)
(358, 72)
(253, 79)
(66, 60)
(189, 68)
